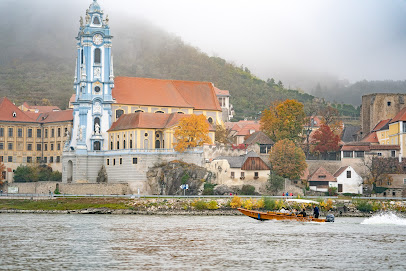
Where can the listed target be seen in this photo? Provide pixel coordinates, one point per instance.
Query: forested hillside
(37, 61)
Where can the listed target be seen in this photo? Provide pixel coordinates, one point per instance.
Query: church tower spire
(93, 82)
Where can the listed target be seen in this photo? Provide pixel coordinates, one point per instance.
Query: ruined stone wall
(379, 106)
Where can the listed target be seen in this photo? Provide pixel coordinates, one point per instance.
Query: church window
(58, 147)
(38, 133)
(96, 20)
(81, 56)
(97, 56)
(146, 134)
(160, 112)
(210, 120)
(118, 145)
(20, 132)
(46, 133)
(111, 145)
(29, 133)
(97, 89)
(114, 162)
(119, 112)
(96, 146)
(52, 132)
(131, 143)
(10, 132)
(157, 144)
(121, 161)
(59, 132)
(108, 161)
(123, 144)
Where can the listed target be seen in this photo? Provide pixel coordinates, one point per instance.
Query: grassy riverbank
(345, 207)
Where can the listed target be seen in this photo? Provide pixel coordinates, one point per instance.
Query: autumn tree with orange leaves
(2, 168)
(325, 140)
(192, 131)
(283, 120)
(287, 159)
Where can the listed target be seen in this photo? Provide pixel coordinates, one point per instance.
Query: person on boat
(284, 211)
(303, 213)
(316, 212)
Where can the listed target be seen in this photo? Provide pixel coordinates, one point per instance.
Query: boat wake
(387, 218)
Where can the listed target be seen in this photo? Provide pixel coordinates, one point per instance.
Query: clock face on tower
(97, 39)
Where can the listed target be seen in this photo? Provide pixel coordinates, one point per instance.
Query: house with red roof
(224, 99)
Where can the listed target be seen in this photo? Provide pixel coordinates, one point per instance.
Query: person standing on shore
(316, 212)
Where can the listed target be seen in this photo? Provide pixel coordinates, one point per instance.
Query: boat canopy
(303, 201)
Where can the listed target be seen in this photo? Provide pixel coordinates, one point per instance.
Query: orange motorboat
(289, 215)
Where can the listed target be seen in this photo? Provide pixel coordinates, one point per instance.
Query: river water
(137, 242)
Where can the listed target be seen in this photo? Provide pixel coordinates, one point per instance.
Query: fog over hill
(38, 53)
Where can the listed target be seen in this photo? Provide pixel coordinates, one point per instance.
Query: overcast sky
(284, 39)
(355, 40)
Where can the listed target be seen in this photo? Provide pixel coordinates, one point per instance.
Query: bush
(208, 189)
(41, 173)
(269, 204)
(248, 204)
(247, 190)
(212, 205)
(332, 191)
(363, 206)
(275, 183)
(199, 205)
(235, 202)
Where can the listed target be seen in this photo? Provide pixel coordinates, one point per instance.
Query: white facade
(349, 180)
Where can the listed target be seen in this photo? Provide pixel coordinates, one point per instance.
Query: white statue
(97, 129)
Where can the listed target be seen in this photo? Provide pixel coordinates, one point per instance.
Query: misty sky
(355, 40)
(286, 39)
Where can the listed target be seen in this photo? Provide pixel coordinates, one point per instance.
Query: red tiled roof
(40, 108)
(401, 116)
(317, 176)
(7, 108)
(221, 92)
(148, 121)
(158, 92)
(380, 125)
(246, 130)
(385, 147)
(339, 171)
(371, 137)
(366, 146)
(56, 116)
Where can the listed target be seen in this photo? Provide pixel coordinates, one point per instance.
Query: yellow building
(30, 137)
(147, 131)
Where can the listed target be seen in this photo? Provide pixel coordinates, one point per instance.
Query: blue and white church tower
(93, 83)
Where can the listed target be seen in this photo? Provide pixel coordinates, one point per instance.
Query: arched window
(118, 145)
(139, 110)
(160, 112)
(157, 144)
(81, 56)
(96, 20)
(96, 146)
(210, 120)
(123, 144)
(97, 56)
(119, 112)
(111, 145)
